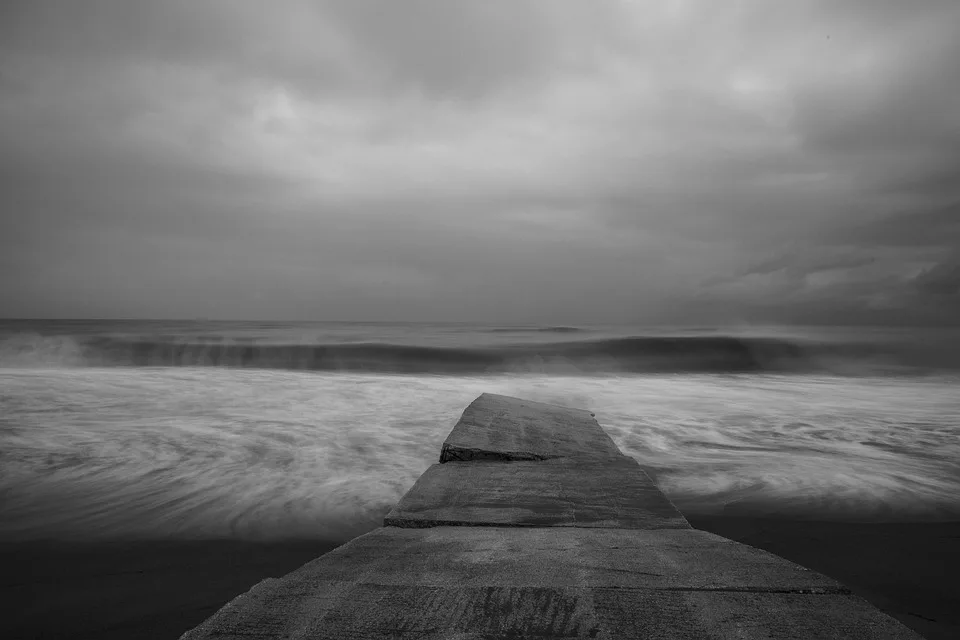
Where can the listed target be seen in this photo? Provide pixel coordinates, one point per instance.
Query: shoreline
(160, 589)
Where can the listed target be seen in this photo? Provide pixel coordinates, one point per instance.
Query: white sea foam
(254, 454)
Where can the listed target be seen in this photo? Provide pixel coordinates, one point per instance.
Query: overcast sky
(515, 161)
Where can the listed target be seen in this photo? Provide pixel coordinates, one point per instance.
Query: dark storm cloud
(534, 160)
(941, 279)
(810, 263)
(937, 227)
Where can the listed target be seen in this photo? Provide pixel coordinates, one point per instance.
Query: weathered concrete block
(548, 583)
(614, 492)
(496, 427)
(684, 559)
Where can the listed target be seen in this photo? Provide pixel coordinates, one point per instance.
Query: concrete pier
(534, 525)
(553, 493)
(502, 428)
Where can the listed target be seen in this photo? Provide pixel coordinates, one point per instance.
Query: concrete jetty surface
(534, 525)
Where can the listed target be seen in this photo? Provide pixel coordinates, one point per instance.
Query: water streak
(268, 454)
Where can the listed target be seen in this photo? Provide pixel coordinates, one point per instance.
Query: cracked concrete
(496, 427)
(559, 492)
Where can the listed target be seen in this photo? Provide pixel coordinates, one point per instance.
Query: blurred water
(459, 349)
(189, 452)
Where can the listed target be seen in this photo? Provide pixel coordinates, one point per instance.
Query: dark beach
(159, 589)
(126, 590)
(907, 570)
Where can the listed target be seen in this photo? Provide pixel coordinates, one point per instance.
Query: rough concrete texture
(496, 427)
(456, 582)
(577, 543)
(614, 492)
(684, 559)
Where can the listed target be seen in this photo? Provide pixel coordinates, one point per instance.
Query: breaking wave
(537, 330)
(636, 354)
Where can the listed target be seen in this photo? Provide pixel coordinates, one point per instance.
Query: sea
(270, 431)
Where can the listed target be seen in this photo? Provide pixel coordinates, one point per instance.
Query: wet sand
(132, 590)
(908, 570)
(160, 589)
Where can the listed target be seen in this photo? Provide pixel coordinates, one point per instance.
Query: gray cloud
(938, 227)
(940, 279)
(536, 160)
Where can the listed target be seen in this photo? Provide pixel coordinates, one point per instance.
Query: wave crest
(636, 354)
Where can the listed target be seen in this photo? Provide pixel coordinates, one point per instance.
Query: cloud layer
(538, 160)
